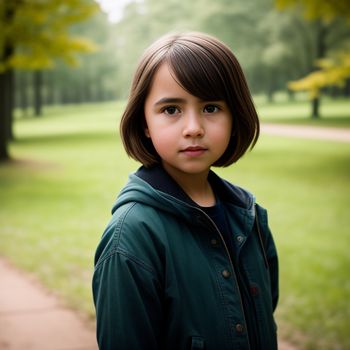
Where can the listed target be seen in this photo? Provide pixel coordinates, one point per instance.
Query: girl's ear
(147, 133)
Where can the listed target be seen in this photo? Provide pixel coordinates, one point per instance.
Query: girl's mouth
(194, 151)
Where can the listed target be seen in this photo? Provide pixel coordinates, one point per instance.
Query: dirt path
(33, 319)
(310, 132)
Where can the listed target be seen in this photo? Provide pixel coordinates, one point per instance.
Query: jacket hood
(154, 187)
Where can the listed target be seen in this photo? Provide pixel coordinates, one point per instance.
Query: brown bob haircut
(207, 69)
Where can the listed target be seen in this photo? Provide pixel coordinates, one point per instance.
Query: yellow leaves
(39, 56)
(332, 72)
(37, 17)
(311, 83)
(2, 67)
(324, 63)
(64, 11)
(31, 61)
(38, 32)
(315, 9)
(82, 45)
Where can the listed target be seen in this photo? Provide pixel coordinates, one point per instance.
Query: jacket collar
(160, 180)
(236, 200)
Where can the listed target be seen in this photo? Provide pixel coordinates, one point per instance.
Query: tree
(95, 79)
(331, 68)
(315, 9)
(272, 49)
(266, 43)
(32, 34)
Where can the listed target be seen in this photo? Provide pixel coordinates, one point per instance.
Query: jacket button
(226, 273)
(240, 239)
(239, 328)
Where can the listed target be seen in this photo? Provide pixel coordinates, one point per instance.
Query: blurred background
(65, 73)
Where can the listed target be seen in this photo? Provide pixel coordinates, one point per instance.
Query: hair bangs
(197, 72)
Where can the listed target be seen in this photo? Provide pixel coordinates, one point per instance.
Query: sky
(114, 8)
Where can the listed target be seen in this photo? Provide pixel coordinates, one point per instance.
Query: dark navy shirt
(217, 214)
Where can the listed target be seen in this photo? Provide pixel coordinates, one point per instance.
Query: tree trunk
(6, 90)
(321, 48)
(315, 108)
(347, 88)
(4, 153)
(6, 112)
(9, 104)
(37, 82)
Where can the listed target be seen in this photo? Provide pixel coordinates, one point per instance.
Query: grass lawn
(69, 166)
(333, 112)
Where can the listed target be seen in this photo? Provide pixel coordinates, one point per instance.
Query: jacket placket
(233, 271)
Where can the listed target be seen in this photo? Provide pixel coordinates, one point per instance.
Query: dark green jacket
(164, 279)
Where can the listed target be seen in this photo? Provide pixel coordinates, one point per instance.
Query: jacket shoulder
(131, 232)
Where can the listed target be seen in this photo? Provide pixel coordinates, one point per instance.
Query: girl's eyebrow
(169, 100)
(166, 100)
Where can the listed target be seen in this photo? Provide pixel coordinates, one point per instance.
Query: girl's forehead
(166, 76)
(165, 72)
(165, 83)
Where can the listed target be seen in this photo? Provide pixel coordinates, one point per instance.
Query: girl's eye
(171, 110)
(210, 109)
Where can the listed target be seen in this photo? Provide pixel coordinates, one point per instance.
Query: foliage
(142, 23)
(96, 74)
(314, 9)
(32, 34)
(333, 72)
(233, 22)
(335, 69)
(272, 48)
(39, 32)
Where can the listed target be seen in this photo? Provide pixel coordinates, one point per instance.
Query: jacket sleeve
(127, 298)
(271, 254)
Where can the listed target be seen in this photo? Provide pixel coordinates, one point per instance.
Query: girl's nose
(193, 125)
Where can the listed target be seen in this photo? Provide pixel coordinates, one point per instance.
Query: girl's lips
(193, 151)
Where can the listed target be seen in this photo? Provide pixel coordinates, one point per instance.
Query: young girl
(187, 260)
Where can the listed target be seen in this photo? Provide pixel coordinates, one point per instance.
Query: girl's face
(189, 134)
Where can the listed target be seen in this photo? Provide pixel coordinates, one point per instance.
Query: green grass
(69, 166)
(333, 112)
(304, 184)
